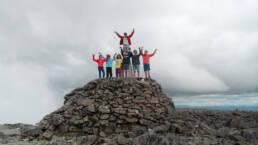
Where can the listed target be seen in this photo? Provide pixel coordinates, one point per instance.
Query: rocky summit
(132, 112)
(107, 107)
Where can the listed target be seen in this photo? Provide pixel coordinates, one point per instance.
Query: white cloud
(177, 75)
(25, 94)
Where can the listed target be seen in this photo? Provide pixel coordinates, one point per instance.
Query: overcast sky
(205, 48)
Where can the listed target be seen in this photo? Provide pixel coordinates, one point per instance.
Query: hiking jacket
(146, 57)
(109, 62)
(99, 61)
(126, 57)
(136, 59)
(122, 37)
(118, 63)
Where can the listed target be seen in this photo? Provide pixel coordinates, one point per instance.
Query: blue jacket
(109, 62)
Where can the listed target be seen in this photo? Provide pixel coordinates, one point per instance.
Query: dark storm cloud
(205, 47)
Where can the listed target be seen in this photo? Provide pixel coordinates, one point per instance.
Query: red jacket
(99, 61)
(122, 37)
(146, 57)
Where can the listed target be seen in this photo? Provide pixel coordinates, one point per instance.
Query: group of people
(123, 67)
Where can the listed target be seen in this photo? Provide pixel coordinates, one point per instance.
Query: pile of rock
(132, 112)
(110, 107)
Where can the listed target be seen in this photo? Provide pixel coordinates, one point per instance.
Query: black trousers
(101, 69)
(109, 72)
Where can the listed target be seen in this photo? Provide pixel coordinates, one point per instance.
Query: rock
(176, 128)
(207, 130)
(91, 108)
(133, 111)
(10, 132)
(104, 116)
(154, 101)
(77, 122)
(170, 108)
(104, 109)
(110, 107)
(145, 122)
(139, 100)
(57, 119)
(205, 142)
(150, 139)
(85, 102)
(250, 133)
(131, 120)
(47, 135)
(120, 110)
(3, 127)
(185, 127)
(87, 140)
(104, 122)
(35, 132)
(236, 122)
(161, 129)
(235, 135)
(102, 134)
(86, 119)
(121, 140)
(222, 132)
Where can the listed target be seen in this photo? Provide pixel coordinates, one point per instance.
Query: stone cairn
(108, 107)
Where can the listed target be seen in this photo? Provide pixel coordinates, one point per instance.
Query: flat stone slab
(2, 127)
(9, 132)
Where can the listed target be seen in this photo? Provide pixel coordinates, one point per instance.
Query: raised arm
(118, 35)
(122, 51)
(106, 59)
(93, 57)
(130, 54)
(114, 57)
(131, 33)
(139, 52)
(153, 53)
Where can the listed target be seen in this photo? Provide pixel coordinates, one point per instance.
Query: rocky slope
(132, 112)
(188, 127)
(110, 107)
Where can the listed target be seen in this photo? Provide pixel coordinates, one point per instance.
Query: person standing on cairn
(109, 64)
(126, 61)
(125, 40)
(100, 62)
(146, 61)
(136, 62)
(118, 65)
(130, 70)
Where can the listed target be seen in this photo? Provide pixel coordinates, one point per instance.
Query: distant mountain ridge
(243, 108)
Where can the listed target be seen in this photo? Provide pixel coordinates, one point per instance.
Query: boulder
(35, 132)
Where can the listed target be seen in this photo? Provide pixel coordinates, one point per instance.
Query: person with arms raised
(146, 61)
(126, 61)
(136, 62)
(109, 64)
(118, 65)
(125, 40)
(100, 62)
